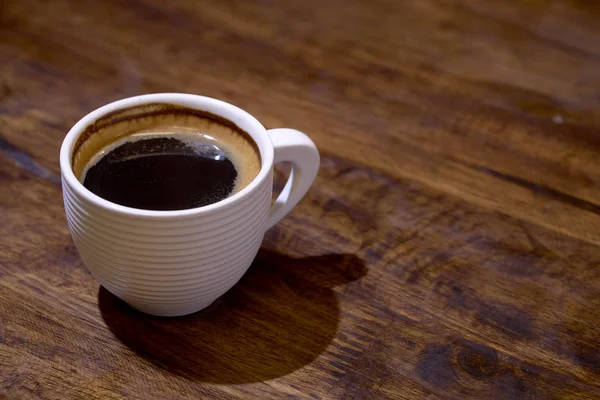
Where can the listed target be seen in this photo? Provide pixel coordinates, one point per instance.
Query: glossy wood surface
(448, 249)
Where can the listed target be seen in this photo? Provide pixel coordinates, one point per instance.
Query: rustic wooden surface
(449, 248)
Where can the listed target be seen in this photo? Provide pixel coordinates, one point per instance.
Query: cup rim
(203, 103)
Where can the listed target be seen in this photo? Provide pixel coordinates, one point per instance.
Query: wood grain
(448, 249)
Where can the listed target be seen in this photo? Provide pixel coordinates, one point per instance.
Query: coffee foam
(166, 120)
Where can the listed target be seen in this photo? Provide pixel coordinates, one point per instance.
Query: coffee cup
(176, 262)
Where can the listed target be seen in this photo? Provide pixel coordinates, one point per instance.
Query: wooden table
(449, 248)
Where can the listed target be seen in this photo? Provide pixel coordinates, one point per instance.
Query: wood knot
(477, 360)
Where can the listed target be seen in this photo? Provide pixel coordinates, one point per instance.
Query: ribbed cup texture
(169, 266)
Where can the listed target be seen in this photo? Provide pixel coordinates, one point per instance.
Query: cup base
(169, 311)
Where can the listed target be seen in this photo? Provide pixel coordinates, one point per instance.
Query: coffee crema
(165, 157)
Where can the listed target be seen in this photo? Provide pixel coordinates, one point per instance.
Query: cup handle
(293, 146)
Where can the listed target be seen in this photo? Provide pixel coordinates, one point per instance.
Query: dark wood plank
(449, 247)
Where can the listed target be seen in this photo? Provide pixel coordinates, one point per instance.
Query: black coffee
(163, 173)
(164, 157)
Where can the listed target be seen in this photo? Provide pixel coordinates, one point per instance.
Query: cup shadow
(280, 316)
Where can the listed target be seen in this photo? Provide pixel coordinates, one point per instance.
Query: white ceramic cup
(171, 263)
